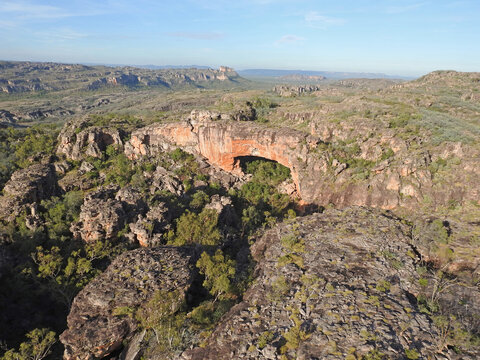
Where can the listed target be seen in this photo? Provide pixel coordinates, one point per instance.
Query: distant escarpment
(291, 90)
(21, 77)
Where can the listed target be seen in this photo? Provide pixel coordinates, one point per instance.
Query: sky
(397, 37)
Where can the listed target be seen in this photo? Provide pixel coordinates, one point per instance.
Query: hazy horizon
(393, 37)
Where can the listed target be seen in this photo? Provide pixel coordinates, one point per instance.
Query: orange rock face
(222, 143)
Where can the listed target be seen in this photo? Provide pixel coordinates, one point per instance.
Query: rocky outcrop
(46, 113)
(77, 144)
(7, 118)
(101, 216)
(25, 187)
(164, 180)
(148, 229)
(21, 77)
(291, 90)
(222, 143)
(167, 78)
(386, 185)
(341, 284)
(223, 205)
(102, 314)
(19, 86)
(302, 77)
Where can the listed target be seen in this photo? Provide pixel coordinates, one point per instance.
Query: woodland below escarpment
(158, 224)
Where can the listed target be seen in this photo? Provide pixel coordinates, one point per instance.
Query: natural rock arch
(222, 142)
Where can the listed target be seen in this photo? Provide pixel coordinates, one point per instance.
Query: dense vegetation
(52, 266)
(20, 147)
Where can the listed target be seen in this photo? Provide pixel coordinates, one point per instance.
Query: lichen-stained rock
(101, 216)
(148, 231)
(328, 286)
(27, 186)
(95, 324)
(164, 180)
(77, 143)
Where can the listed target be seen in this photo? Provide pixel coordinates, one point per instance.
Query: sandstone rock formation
(148, 230)
(222, 143)
(21, 77)
(27, 186)
(327, 286)
(223, 205)
(302, 77)
(7, 118)
(77, 144)
(96, 324)
(291, 90)
(101, 216)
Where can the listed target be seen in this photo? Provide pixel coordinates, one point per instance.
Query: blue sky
(403, 37)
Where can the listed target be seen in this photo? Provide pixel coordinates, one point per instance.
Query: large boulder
(102, 216)
(336, 285)
(27, 186)
(96, 324)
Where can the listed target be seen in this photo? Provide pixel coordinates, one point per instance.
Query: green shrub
(164, 315)
(197, 228)
(199, 200)
(39, 139)
(268, 172)
(412, 354)
(38, 346)
(219, 272)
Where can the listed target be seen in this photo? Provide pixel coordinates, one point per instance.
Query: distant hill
(302, 77)
(273, 73)
(23, 77)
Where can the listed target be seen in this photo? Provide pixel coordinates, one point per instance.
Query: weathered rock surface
(164, 180)
(223, 142)
(290, 90)
(403, 184)
(223, 205)
(168, 78)
(27, 186)
(7, 118)
(77, 144)
(148, 230)
(95, 327)
(204, 115)
(20, 77)
(101, 216)
(344, 285)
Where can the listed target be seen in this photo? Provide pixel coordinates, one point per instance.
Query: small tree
(198, 229)
(163, 315)
(219, 272)
(37, 347)
(66, 275)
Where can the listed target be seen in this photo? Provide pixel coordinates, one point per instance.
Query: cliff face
(224, 142)
(77, 143)
(319, 177)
